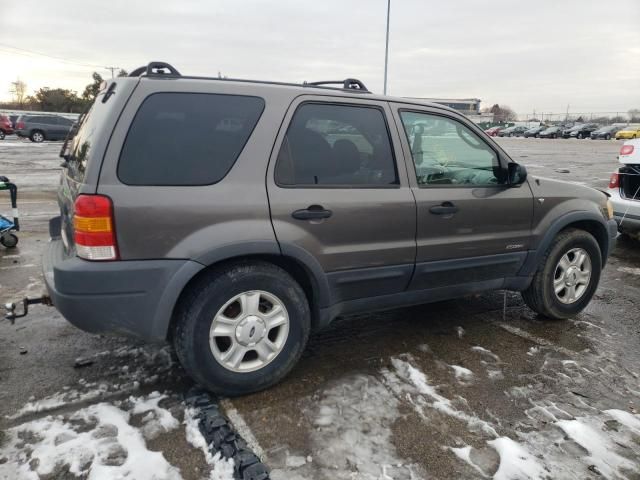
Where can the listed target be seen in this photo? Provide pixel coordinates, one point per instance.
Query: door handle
(313, 212)
(446, 208)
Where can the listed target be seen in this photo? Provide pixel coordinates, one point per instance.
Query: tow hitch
(10, 308)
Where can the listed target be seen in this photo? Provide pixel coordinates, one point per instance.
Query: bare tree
(503, 113)
(19, 92)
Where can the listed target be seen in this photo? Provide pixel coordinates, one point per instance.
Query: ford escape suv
(232, 218)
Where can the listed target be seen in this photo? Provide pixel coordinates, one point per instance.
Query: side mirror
(516, 174)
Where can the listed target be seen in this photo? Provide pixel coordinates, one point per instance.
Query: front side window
(447, 153)
(186, 138)
(336, 145)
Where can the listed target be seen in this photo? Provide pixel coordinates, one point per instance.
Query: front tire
(567, 276)
(2, 135)
(241, 328)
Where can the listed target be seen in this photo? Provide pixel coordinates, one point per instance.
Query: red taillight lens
(93, 227)
(614, 181)
(20, 125)
(626, 150)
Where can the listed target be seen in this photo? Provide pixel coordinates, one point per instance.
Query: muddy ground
(458, 389)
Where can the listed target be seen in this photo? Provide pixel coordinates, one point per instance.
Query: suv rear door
(337, 194)
(472, 228)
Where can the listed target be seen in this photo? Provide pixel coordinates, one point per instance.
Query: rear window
(187, 138)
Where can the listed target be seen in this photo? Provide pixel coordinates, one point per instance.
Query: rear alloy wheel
(607, 137)
(241, 328)
(37, 136)
(580, 136)
(1, 135)
(567, 277)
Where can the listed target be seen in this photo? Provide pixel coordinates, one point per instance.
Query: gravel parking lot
(472, 388)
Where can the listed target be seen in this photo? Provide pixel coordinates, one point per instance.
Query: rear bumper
(625, 212)
(134, 298)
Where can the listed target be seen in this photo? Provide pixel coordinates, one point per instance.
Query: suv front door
(338, 195)
(473, 228)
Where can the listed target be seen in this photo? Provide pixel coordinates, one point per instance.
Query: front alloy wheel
(572, 275)
(249, 331)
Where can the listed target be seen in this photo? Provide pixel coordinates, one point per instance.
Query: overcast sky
(541, 54)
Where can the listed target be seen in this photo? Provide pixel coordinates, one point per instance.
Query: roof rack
(156, 68)
(165, 70)
(347, 84)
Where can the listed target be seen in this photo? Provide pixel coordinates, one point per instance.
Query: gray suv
(233, 218)
(39, 128)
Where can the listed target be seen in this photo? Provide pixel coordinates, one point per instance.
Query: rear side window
(336, 145)
(187, 138)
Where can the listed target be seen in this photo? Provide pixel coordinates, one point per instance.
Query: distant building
(468, 106)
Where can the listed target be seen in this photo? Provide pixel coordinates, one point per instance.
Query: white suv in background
(624, 187)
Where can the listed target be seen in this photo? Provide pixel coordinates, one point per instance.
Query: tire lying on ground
(241, 328)
(567, 276)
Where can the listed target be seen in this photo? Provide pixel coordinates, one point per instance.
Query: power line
(24, 51)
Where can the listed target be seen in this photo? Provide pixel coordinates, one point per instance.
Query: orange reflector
(92, 224)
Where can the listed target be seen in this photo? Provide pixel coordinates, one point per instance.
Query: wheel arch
(582, 220)
(295, 261)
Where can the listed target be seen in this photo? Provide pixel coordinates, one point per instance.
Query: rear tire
(607, 137)
(1, 135)
(542, 296)
(210, 306)
(36, 136)
(9, 240)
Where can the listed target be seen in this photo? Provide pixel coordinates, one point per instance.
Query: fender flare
(535, 256)
(294, 252)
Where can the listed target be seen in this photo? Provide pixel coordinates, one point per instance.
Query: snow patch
(97, 442)
(461, 372)
(516, 463)
(464, 454)
(631, 270)
(409, 379)
(486, 352)
(601, 450)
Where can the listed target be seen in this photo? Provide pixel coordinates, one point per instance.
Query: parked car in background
(245, 278)
(535, 131)
(628, 132)
(515, 131)
(624, 188)
(606, 133)
(493, 131)
(6, 127)
(551, 132)
(38, 128)
(568, 130)
(583, 131)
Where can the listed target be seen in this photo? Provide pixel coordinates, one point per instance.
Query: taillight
(93, 226)
(614, 181)
(20, 125)
(626, 150)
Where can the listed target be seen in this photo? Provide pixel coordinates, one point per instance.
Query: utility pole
(567, 117)
(386, 48)
(112, 69)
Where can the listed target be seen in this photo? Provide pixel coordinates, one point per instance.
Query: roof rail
(156, 68)
(347, 84)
